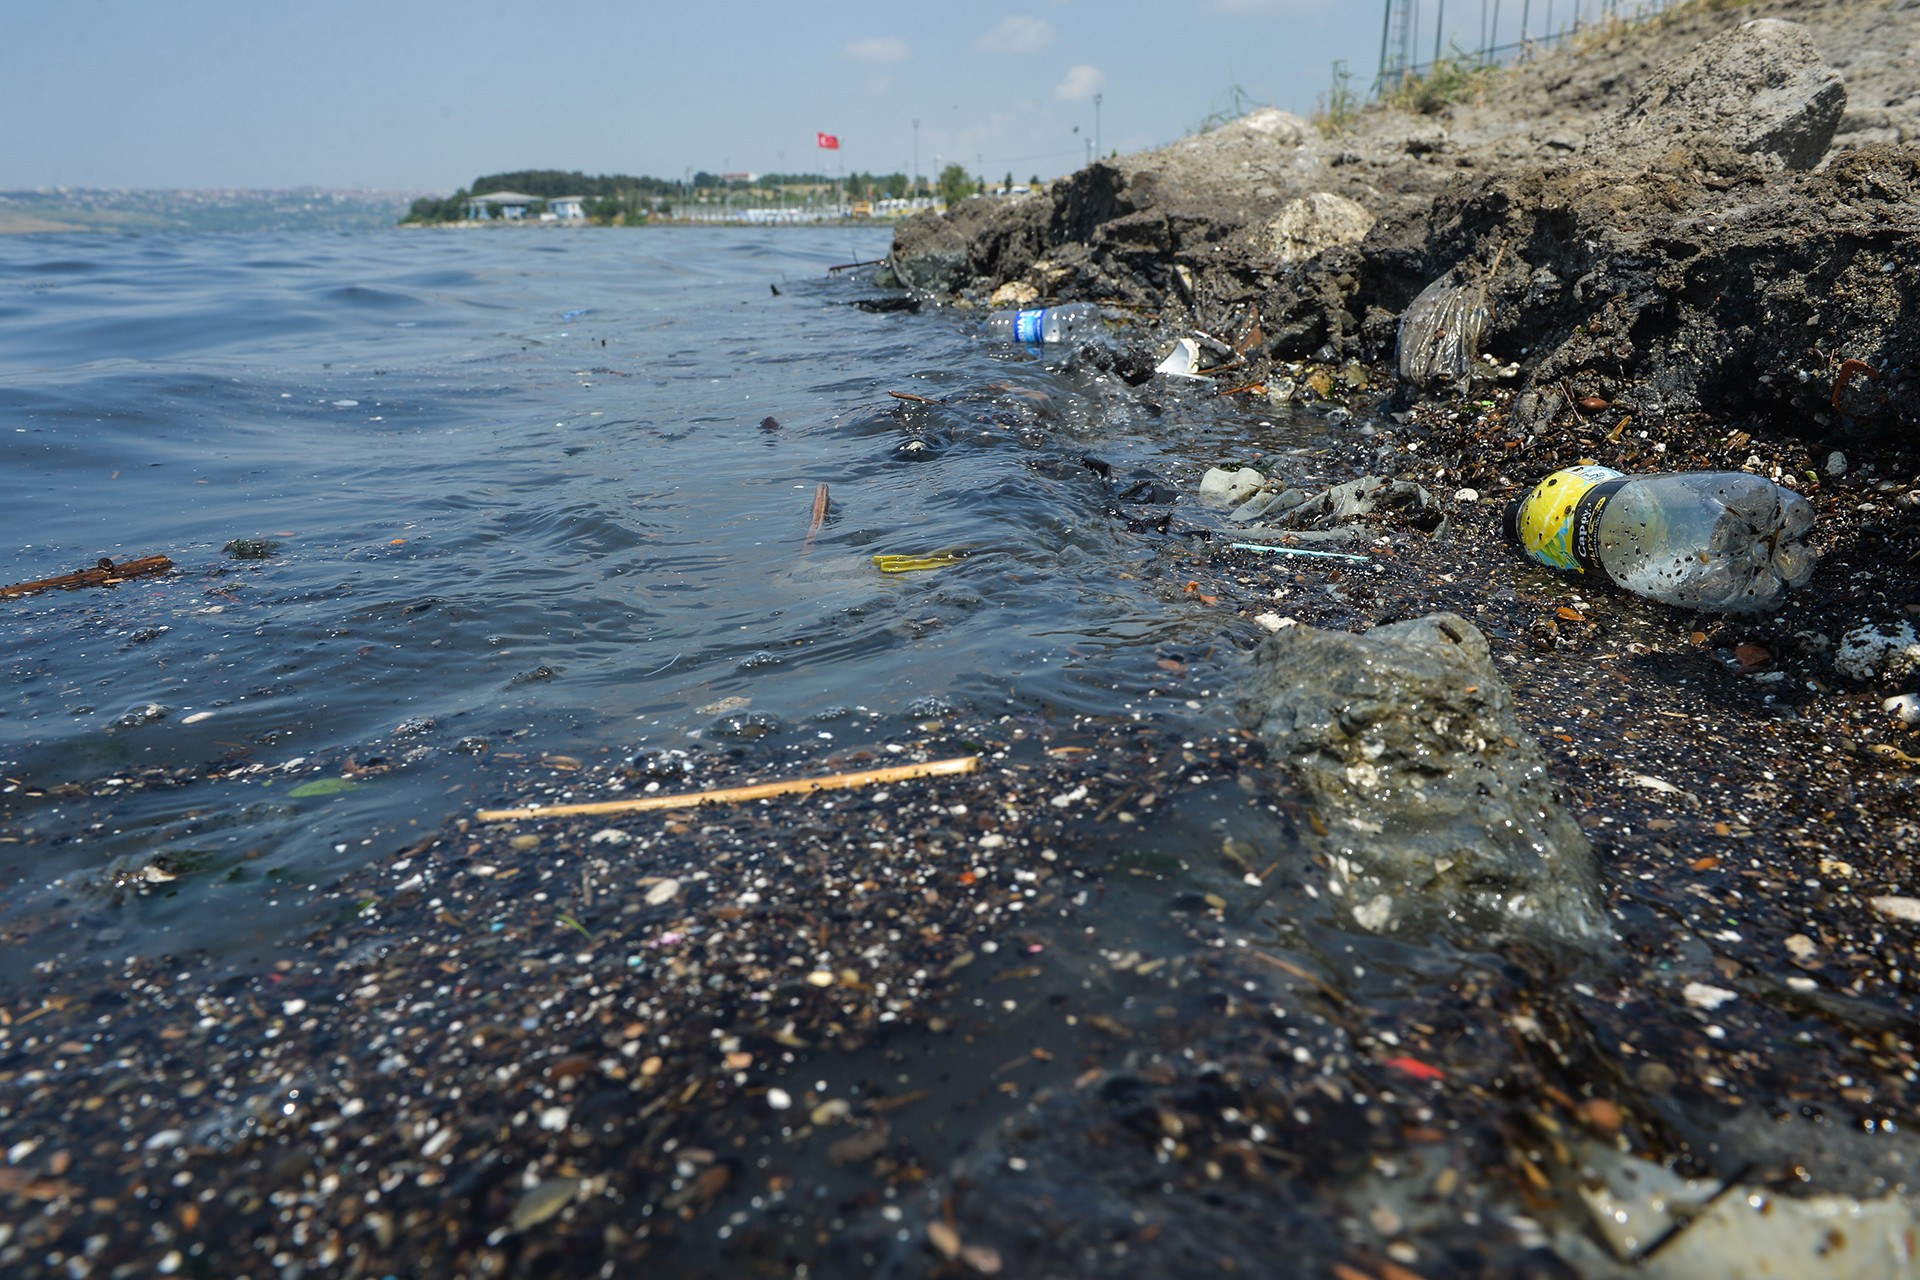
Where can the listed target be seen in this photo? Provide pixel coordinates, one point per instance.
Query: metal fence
(1484, 32)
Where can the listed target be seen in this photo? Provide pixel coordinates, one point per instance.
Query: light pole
(1096, 125)
(916, 157)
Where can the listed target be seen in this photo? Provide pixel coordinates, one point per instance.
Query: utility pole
(1096, 126)
(1398, 32)
(916, 157)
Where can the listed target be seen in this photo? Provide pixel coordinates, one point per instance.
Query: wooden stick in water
(737, 795)
(104, 574)
(820, 504)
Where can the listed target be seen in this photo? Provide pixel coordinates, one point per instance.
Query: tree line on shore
(616, 198)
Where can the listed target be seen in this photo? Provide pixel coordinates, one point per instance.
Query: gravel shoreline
(991, 1025)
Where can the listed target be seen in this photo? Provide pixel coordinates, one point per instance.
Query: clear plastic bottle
(1042, 324)
(1717, 541)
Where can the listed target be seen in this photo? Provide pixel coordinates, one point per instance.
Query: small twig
(820, 504)
(738, 795)
(1326, 988)
(908, 395)
(848, 266)
(104, 574)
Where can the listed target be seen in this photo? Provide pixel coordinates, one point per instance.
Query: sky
(422, 96)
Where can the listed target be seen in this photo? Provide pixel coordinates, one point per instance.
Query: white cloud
(1081, 83)
(878, 49)
(1017, 35)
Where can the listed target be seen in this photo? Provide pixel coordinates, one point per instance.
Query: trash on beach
(104, 574)
(1440, 333)
(1711, 540)
(1296, 551)
(1034, 325)
(251, 548)
(914, 564)
(738, 795)
(1183, 362)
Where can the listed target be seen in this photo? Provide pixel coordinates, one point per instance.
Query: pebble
(666, 891)
(1702, 996)
(1896, 907)
(1655, 1077)
(542, 1202)
(943, 1238)
(779, 1099)
(1602, 1116)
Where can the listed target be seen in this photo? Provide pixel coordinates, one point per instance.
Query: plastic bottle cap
(1555, 520)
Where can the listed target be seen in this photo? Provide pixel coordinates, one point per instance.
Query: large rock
(1311, 224)
(1761, 88)
(1437, 804)
(1117, 227)
(941, 253)
(1231, 173)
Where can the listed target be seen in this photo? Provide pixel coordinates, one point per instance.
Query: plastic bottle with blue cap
(1037, 325)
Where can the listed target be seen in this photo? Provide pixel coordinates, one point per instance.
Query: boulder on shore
(1761, 89)
(1437, 803)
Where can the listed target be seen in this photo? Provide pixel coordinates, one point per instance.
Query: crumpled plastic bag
(1440, 333)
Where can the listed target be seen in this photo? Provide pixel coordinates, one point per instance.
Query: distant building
(566, 209)
(508, 206)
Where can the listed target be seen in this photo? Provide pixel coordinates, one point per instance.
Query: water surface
(523, 495)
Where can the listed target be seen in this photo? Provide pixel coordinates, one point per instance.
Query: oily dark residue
(1025, 1022)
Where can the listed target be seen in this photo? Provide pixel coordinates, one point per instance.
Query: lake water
(443, 503)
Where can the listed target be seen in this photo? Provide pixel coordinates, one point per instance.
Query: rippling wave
(517, 494)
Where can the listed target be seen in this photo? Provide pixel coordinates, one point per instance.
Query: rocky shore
(1541, 931)
(1695, 244)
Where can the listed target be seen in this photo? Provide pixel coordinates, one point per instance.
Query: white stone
(1312, 224)
(1897, 908)
(1702, 996)
(1890, 652)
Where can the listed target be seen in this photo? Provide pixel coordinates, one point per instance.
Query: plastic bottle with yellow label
(1717, 541)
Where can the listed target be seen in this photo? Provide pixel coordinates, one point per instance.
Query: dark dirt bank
(773, 1040)
(1697, 243)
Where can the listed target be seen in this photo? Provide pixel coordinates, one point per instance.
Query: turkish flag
(826, 141)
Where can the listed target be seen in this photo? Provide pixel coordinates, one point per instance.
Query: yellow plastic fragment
(913, 564)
